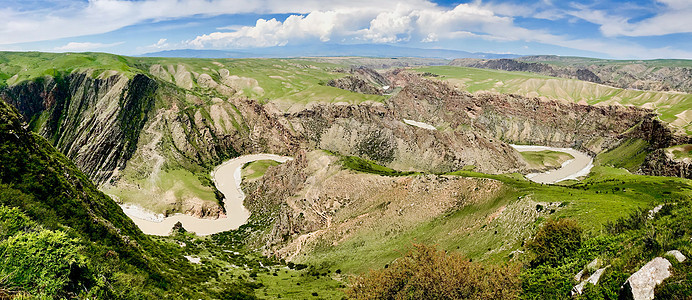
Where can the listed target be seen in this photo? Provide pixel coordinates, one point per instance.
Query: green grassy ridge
(629, 155)
(624, 246)
(583, 61)
(32, 65)
(358, 164)
(667, 104)
(289, 81)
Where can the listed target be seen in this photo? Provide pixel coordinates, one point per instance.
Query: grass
(667, 104)
(286, 82)
(546, 158)
(256, 169)
(31, 65)
(367, 166)
(629, 155)
(231, 263)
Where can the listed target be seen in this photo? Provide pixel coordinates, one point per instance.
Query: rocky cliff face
(363, 80)
(513, 118)
(95, 122)
(661, 163)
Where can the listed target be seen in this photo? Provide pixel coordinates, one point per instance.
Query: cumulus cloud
(86, 46)
(403, 23)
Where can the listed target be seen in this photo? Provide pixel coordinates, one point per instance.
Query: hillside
(656, 75)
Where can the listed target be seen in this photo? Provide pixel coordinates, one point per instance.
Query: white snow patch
(419, 124)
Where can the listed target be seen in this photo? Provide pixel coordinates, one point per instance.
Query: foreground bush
(556, 240)
(427, 273)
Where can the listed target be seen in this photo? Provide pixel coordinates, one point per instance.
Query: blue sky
(595, 28)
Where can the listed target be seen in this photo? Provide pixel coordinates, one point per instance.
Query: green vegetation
(170, 184)
(367, 166)
(256, 169)
(605, 196)
(554, 240)
(36, 261)
(16, 67)
(425, 272)
(629, 155)
(546, 158)
(670, 106)
(625, 246)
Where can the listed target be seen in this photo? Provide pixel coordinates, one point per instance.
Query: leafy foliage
(427, 273)
(40, 262)
(555, 241)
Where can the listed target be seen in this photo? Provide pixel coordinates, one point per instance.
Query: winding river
(574, 168)
(227, 178)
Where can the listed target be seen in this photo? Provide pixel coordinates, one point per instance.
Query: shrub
(556, 240)
(39, 262)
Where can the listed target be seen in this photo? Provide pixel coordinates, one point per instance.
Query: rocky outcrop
(662, 163)
(354, 84)
(377, 132)
(95, 122)
(363, 80)
(640, 286)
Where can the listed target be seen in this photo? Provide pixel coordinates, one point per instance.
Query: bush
(427, 273)
(39, 262)
(556, 240)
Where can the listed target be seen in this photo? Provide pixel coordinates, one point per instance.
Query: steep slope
(46, 186)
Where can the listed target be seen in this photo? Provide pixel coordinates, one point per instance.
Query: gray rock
(593, 265)
(593, 279)
(677, 255)
(640, 286)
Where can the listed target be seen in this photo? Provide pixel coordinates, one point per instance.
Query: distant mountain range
(328, 50)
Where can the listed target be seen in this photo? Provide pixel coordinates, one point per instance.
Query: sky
(639, 29)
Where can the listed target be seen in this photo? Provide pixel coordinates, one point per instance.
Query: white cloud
(101, 16)
(81, 47)
(162, 43)
(674, 17)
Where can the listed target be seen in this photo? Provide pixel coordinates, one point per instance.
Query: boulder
(593, 279)
(677, 255)
(640, 286)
